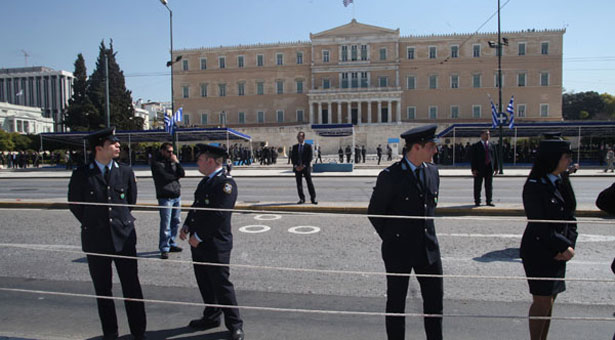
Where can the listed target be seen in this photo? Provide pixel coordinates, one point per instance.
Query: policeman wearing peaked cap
(410, 188)
(211, 240)
(109, 229)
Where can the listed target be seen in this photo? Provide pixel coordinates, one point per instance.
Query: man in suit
(301, 156)
(211, 240)
(410, 188)
(109, 230)
(484, 166)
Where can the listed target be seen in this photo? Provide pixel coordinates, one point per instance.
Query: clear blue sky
(53, 32)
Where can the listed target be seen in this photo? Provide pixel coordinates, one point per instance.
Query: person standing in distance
(109, 229)
(410, 188)
(484, 166)
(301, 156)
(166, 172)
(210, 238)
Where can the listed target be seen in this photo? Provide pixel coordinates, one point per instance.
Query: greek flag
(511, 112)
(168, 124)
(494, 115)
(347, 2)
(177, 117)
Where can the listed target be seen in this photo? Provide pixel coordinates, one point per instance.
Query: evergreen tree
(81, 112)
(120, 99)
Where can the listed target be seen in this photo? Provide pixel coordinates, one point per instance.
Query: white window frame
(413, 77)
(480, 111)
(260, 117)
(380, 51)
(302, 115)
(521, 111)
(279, 59)
(548, 78)
(544, 106)
(522, 75)
(433, 77)
(408, 49)
(299, 88)
(432, 112)
(451, 111)
(455, 55)
(542, 44)
(411, 110)
(260, 57)
(454, 85)
(241, 61)
(241, 88)
(222, 118)
(185, 65)
(326, 56)
(279, 86)
(435, 52)
(474, 46)
(480, 81)
(277, 116)
(221, 62)
(260, 88)
(186, 91)
(524, 44)
(206, 120)
(204, 90)
(241, 115)
(203, 62)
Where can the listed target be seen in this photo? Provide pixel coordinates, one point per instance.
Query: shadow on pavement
(504, 255)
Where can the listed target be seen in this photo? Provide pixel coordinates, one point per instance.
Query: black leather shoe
(314, 202)
(476, 204)
(164, 255)
(491, 204)
(237, 334)
(204, 324)
(111, 336)
(175, 249)
(301, 202)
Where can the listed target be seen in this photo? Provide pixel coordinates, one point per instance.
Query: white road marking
(254, 229)
(267, 217)
(299, 230)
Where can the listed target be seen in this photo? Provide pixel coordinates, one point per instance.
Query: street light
(170, 64)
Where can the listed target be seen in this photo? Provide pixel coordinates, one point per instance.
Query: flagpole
(499, 49)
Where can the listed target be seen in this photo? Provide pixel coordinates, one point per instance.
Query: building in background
(368, 75)
(24, 119)
(156, 112)
(40, 87)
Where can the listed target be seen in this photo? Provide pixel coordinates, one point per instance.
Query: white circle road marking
(267, 217)
(254, 229)
(298, 230)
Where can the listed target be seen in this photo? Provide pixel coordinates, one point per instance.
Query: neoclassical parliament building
(369, 75)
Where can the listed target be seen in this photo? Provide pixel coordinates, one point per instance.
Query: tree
(81, 114)
(120, 99)
(574, 103)
(609, 104)
(6, 143)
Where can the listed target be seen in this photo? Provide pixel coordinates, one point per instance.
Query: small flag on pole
(494, 115)
(20, 93)
(168, 124)
(177, 117)
(511, 112)
(347, 2)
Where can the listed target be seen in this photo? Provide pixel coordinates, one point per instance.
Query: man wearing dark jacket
(484, 166)
(166, 172)
(301, 157)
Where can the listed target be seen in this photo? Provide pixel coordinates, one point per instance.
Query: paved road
(454, 190)
(52, 261)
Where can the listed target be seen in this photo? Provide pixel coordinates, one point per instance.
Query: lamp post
(170, 64)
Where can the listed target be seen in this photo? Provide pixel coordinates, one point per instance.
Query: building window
(222, 90)
(240, 61)
(521, 48)
(433, 81)
(299, 86)
(280, 116)
(260, 60)
(241, 89)
(411, 82)
(204, 118)
(222, 118)
(475, 51)
(354, 52)
(521, 79)
(520, 110)
(326, 84)
(433, 112)
(279, 87)
(260, 88)
(364, 81)
(354, 80)
(544, 110)
(383, 54)
(19, 126)
(325, 56)
(241, 117)
(279, 59)
(411, 112)
(454, 81)
(433, 52)
(476, 80)
(454, 51)
(344, 53)
(260, 117)
(344, 80)
(203, 90)
(363, 52)
(222, 62)
(544, 48)
(186, 91)
(410, 52)
(299, 58)
(300, 116)
(185, 64)
(203, 64)
(476, 111)
(186, 118)
(544, 78)
(454, 111)
(383, 81)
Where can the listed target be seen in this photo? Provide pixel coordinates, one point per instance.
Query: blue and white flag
(168, 124)
(511, 112)
(494, 115)
(347, 2)
(177, 117)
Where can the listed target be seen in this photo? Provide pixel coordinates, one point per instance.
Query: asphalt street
(41, 250)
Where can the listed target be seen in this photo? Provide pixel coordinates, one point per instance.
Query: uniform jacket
(103, 228)
(213, 227)
(478, 157)
(166, 178)
(606, 200)
(305, 156)
(541, 201)
(397, 193)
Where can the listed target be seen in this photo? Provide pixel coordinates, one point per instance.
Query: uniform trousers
(399, 259)
(487, 174)
(215, 286)
(308, 180)
(101, 273)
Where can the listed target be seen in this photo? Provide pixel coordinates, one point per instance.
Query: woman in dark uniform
(546, 247)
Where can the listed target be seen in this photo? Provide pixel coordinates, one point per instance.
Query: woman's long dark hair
(545, 163)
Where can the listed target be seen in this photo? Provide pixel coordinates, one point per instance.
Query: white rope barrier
(311, 311)
(308, 270)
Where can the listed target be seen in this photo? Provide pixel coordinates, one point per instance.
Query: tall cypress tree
(81, 112)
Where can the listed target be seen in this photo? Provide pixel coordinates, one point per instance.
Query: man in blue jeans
(167, 171)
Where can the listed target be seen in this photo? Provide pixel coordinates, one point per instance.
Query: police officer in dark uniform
(410, 188)
(211, 240)
(109, 229)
